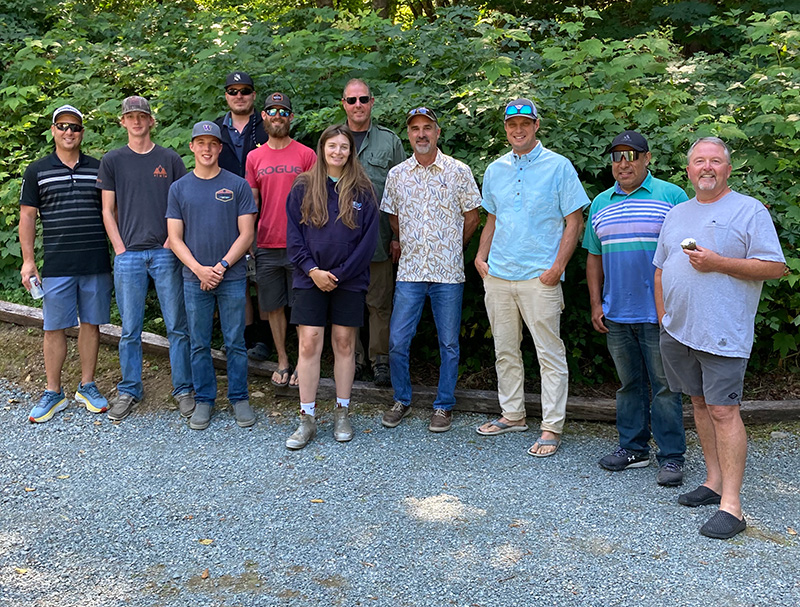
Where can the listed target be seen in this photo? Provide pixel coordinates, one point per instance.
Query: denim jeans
(637, 357)
(230, 297)
(131, 272)
(409, 299)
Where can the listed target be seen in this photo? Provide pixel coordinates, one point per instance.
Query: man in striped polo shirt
(621, 235)
(76, 275)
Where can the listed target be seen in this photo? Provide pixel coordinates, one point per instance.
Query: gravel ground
(150, 513)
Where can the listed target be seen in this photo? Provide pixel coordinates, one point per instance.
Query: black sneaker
(670, 475)
(382, 376)
(622, 459)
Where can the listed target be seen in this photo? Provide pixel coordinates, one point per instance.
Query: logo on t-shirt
(285, 168)
(356, 205)
(224, 195)
(160, 172)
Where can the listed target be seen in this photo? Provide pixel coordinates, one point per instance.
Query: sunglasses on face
(234, 92)
(363, 100)
(524, 110)
(629, 155)
(68, 126)
(273, 111)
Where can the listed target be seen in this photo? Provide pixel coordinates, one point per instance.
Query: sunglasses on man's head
(629, 155)
(234, 92)
(525, 110)
(273, 111)
(422, 111)
(363, 99)
(69, 126)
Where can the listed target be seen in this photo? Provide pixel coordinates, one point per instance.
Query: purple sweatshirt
(334, 247)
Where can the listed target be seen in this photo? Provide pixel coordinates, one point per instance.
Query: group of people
(673, 283)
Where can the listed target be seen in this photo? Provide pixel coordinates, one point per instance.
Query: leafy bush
(466, 65)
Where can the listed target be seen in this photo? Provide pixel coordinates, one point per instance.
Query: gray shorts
(718, 379)
(274, 279)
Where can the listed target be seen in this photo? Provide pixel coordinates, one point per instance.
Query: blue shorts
(68, 297)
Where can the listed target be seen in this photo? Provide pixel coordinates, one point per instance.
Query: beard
(277, 130)
(422, 147)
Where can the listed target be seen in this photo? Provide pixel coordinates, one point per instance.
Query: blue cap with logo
(206, 127)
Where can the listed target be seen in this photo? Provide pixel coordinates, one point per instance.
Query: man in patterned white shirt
(432, 201)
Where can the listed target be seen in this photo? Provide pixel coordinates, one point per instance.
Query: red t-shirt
(273, 172)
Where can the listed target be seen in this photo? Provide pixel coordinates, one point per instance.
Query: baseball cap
(278, 100)
(135, 104)
(67, 109)
(239, 78)
(521, 107)
(422, 111)
(632, 139)
(206, 127)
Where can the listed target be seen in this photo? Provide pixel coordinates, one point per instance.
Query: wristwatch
(224, 264)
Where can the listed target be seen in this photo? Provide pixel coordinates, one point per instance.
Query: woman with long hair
(331, 236)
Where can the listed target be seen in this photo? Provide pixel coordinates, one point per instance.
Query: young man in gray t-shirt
(135, 181)
(713, 254)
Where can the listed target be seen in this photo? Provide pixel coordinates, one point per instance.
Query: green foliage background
(588, 83)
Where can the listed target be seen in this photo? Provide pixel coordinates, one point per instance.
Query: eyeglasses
(273, 111)
(363, 100)
(525, 110)
(629, 155)
(234, 92)
(69, 126)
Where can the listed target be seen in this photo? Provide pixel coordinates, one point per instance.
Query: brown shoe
(395, 415)
(441, 420)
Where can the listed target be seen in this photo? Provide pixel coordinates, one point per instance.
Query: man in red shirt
(270, 171)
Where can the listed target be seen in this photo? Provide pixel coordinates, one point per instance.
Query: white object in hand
(689, 243)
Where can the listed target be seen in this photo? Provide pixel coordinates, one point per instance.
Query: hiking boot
(342, 430)
(259, 351)
(185, 404)
(89, 395)
(304, 433)
(243, 413)
(393, 417)
(622, 459)
(121, 405)
(670, 475)
(361, 369)
(381, 374)
(201, 416)
(441, 420)
(50, 404)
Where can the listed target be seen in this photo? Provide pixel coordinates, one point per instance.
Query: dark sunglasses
(525, 110)
(273, 111)
(69, 126)
(234, 92)
(629, 155)
(363, 99)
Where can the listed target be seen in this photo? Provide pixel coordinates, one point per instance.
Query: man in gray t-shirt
(713, 254)
(135, 181)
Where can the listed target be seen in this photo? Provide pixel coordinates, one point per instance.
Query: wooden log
(473, 401)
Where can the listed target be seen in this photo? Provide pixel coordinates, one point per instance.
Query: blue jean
(409, 299)
(637, 357)
(131, 272)
(230, 296)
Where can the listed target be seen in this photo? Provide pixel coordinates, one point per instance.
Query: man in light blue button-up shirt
(535, 203)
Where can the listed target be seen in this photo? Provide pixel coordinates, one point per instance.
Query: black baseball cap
(278, 100)
(632, 139)
(239, 78)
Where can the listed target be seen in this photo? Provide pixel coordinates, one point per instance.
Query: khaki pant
(379, 306)
(508, 303)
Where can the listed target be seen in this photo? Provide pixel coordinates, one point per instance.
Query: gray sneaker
(395, 415)
(304, 433)
(201, 416)
(120, 406)
(670, 475)
(342, 430)
(243, 413)
(382, 375)
(185, 403)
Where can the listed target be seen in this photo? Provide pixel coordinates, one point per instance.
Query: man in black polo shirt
(76, 276)
(242, 131)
